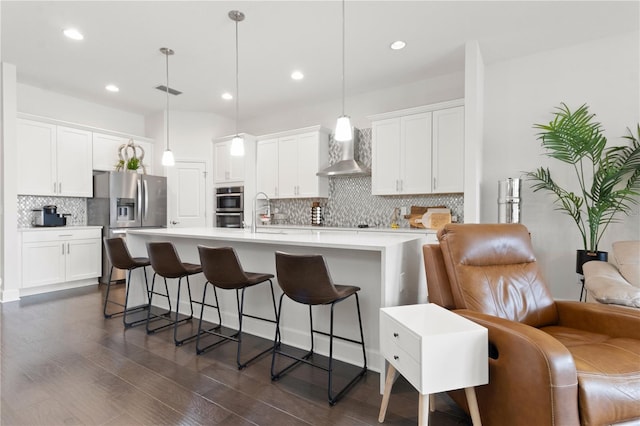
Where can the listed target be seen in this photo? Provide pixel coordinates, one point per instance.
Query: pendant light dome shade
(237, 146)
(167, 157)
(344, 131)
(237, 143)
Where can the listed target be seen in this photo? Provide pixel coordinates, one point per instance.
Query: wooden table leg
(423, 410)
(432, 402)
(388, 384)
(472, 401)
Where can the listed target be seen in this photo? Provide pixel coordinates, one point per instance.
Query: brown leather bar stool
(305, 279)
(166, 263)
(222, 269)
(120, 258)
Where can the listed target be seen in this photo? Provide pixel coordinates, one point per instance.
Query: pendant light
(237, 143)
(167, 156)
(344, 131)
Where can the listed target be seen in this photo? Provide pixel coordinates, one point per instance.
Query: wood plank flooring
(62, 363)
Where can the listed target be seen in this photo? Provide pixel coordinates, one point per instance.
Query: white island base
(388, 269)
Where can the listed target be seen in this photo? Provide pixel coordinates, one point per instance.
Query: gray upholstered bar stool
(305, 279)
(222, 269)
(119, 257)
(166, 262)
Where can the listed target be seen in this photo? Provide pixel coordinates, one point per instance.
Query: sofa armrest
(614, 321)
(605, 284)
(532, 376)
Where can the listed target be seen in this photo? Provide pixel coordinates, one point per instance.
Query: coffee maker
(48, 216)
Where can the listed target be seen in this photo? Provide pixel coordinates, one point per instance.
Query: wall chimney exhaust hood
(347, 166)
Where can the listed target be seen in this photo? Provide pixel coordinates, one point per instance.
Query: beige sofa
(618, 281)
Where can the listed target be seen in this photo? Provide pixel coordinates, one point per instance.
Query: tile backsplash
(76, 207)
(350, 202)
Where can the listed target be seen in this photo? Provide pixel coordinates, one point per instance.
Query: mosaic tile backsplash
(350, 202)
(76, 207)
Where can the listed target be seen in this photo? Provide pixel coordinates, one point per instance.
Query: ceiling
(122, 41)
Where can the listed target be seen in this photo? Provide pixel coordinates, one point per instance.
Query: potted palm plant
(608, 177)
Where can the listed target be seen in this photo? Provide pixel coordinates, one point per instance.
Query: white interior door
(186, 184)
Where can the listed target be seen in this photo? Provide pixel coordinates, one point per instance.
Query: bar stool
(119, 256)
(166, 263)
(305, 279)
(223, 270)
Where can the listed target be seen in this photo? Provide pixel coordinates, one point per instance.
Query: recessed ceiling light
(297, 75)
(112, 88)
(73, 34)
(227, 96)
(397, 45)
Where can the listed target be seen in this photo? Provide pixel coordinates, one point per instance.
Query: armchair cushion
(627, 256)
(605, 284)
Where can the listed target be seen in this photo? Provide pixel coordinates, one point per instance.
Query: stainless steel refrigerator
(122, 201)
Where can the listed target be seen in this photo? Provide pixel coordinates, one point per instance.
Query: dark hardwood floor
(64, 364)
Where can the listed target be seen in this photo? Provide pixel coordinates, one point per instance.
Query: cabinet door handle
(60, 188)
(63, 248)
(401, 185)
(68, 248)
(54, 187)
(434, 183)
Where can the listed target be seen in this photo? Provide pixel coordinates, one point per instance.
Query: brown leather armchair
(550, 362)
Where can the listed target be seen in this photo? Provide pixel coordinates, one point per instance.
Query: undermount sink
(271, 231)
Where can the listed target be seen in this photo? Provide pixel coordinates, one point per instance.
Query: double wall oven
(230, 207)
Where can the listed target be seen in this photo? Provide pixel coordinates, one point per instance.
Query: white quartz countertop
(295, 237)
(419, 231)
(58, 228)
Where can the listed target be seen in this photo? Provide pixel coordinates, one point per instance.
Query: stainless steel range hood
(347, 166)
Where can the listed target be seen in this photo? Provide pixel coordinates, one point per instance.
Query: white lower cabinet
(59, 256)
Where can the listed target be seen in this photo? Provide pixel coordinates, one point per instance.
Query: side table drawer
(404, 364)
(391, 331)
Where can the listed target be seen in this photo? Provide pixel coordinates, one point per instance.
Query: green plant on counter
(608, 177)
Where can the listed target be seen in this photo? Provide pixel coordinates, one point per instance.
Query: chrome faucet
(256, 209)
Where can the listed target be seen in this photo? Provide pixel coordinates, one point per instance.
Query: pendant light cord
(167, 87)
(343, 57)
(237, 85)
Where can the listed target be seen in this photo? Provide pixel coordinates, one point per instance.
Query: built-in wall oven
(230, 207)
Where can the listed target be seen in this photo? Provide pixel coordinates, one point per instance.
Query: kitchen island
(387, 268)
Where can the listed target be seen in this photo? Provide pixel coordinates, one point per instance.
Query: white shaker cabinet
(54, 160)
(106, 148)
(227, 168)
(287, 164)
(448, 150)
(267, 167)
(60, 255)
(419, 150)
(401, 155)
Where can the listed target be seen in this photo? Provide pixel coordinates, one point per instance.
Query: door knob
(173, 222)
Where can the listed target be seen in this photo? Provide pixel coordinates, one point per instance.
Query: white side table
(436, 351)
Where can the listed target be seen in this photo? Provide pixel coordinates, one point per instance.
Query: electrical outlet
(403, 210)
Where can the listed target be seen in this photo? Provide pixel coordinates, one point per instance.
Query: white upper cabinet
(227, 168)
(418, 151)
(448, 150)
(287, 164)
(267, 167)
(105, 152)
(53, 160)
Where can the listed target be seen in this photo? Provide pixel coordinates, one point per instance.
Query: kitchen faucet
(256, 209)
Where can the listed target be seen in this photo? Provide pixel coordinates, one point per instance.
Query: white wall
(45, 103)
(518, 93)
(427, 91)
